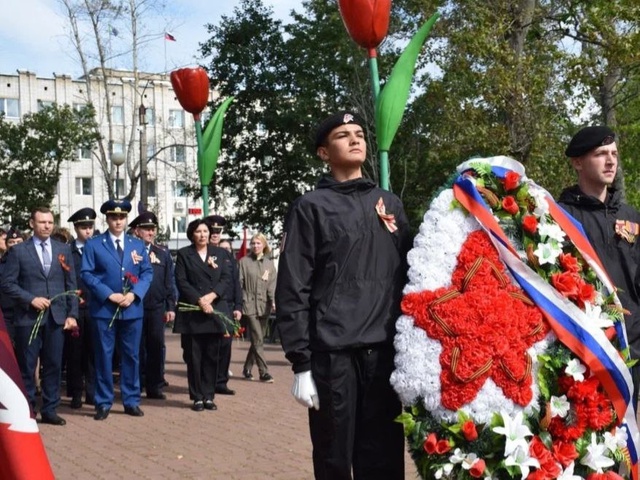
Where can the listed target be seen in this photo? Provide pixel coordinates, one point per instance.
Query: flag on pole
(22, 453)
(168, 36)
(243, 248)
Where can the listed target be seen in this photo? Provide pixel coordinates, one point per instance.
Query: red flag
(22, 453)
(168, 36)
(243, 249)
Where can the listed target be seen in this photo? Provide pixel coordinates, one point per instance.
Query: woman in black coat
(202, 279)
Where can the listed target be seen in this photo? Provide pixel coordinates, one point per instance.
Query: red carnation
(548, 467)
(477, 469)
(566, 283)
(565, 453)
(131, 277)
(469, 431)
(511, 180)
(569, 263)
(530, 224)
(430, 443)
(510, 205)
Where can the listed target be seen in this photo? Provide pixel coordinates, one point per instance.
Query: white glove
(305, 391)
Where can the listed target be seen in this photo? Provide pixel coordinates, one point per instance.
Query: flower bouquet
(511, 359)
(129, 281)
(38, 324)
(231, 327)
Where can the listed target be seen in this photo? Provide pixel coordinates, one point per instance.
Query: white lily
(457, 457)
(567, 474)
(547, 252)
(520, 458)
(515, 432)
(551, 231)
(576, 370)
(610, 441)
(597, 316)
(559, 406)
(596, 458)
(444, 470)
(542, 206)
(622, 435)
(469, 461)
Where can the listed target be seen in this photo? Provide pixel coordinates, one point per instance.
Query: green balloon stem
(205, 201)
(384, 170)
(205, 188)
(383, 157)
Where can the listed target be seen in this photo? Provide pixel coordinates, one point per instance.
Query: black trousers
(200, 353)
(152, 350)
(81, 370)
(224, 361)
(355, 428)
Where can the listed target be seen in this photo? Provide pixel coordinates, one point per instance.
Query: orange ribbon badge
(389, 219)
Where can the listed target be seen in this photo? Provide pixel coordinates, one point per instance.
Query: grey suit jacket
(22, 278)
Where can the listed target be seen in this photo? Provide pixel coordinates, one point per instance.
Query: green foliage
(31, 153)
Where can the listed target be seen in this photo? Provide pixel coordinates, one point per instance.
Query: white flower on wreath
(576, 370)
(597, 316)
(542, 206)
(446, 469)
(458, 456)
(548, 252)
(520, 458)
(559, 406)
(596, 458)
(469, 461)
(567, 473)
(516, 433)
(616, 440)
(551, 231)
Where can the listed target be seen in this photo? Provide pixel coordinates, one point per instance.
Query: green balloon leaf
(393, 98)
(211, 142)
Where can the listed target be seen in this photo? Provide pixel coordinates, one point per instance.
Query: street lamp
(117, 158)
(142, 118)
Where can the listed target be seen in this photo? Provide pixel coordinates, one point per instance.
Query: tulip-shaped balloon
(192, 89)
(367, 21)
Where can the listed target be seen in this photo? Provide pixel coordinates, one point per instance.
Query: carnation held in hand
(493, 384)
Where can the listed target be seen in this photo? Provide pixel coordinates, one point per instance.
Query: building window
(150, 116)
(179, 189)
(84, 186)
(10, 107)
(42, 104)
(179, 154)
(180, 224)
(85, 153)
(151, 150)
(176, 118)
(117, 115)
(151, 188)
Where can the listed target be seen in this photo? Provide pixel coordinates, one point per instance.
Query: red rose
(586, 293)
(569, 263)
(430, 443)
(510, 205)
(511, 181)
(565, 453)
(477, 469)
(566, 283)
(469, 431)
(442, 447)
(530, 224)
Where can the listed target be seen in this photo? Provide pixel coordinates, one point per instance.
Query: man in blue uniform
(117, 271)
(159, 306)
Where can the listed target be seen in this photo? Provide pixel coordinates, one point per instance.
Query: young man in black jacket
(341, 272)
(611, 225)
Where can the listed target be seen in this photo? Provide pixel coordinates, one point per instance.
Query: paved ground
(260, 433)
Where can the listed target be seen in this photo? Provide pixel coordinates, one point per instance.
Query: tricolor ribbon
(569, 323)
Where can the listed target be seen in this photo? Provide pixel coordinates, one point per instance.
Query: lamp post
(117, 158)
(144, 192)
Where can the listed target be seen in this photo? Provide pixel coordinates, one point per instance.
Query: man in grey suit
(34, 272)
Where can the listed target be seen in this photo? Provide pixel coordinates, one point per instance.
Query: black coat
(160, 295)
(195, 278)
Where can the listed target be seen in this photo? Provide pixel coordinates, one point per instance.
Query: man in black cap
(78, 344)
(14, 237)
(117, 271)
(159, 306)
(217, 223)
(341, 272)
(611, 225)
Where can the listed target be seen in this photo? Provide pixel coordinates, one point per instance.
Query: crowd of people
(94, 307)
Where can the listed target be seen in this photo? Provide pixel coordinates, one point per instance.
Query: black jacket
(341, 271)
(161, 293)
(619, 256)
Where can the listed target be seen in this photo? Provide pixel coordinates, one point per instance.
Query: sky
(34, 35)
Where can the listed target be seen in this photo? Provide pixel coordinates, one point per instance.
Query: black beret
(14, 233)
(336, 120)
(145, 219)
(215, 221)
(119, 207)
(589, 138)
(84, 215)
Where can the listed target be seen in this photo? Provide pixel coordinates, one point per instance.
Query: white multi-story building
(169, 133)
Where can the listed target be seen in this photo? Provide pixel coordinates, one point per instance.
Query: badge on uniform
(63, 263)
(135, 257)
(212, 262)
(389, 219)
(153, 257)
(627, 230)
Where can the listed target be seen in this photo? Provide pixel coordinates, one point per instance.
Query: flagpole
(164, 38)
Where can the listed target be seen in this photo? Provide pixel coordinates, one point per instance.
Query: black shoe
(266, 378)
(89, 401)
(209, 405)
(165, 383)
(52, 419)
(225, 390)
(156, 395)
(76, 402)
(247, 375)
(101, 414)
(198, 406)
(134, 411)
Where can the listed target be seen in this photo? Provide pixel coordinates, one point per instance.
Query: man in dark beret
(117, 271)
(14, 237)
(611, 225)
(79, 344)
(159, 306)
(336, 309)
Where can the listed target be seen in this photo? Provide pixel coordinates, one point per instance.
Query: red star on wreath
(485, 325)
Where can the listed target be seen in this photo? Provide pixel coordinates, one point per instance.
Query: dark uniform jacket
(341, 271)
(77, 263)
(160, 295)
(619, 255)
(196, 278)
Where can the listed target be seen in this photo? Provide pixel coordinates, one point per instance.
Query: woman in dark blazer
(202, 279)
